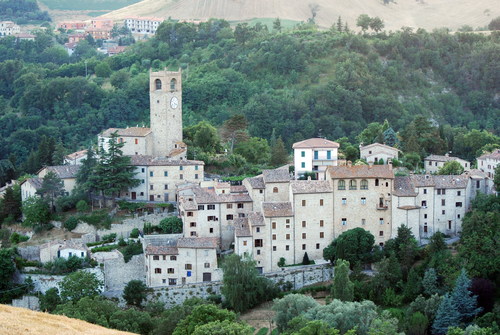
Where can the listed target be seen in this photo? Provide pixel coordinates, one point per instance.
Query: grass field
(285, 24)
(87, 4)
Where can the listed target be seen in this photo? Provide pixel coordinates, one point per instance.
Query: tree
(430, 283)
(404, 246)
(342, 288)
(496, 179)
(305, 259)
(289, 307)
(277, 25)
(354, 246)
(83, 176)
(447, 316)
(451, 168)
(484, 289)
(242, 287)
(35, 211)
(50, 300)
(465, 302)
(417, 324)
(279, 155)
(52, 187)
(390, 137)
(363, 21)
(80, 284)
(171, 225)
(234, 130)
(427, 307)
(135, 292)
(494, 24)
(7, 267)
(413, 286)
(318, 327)
(225, 327)
(255, 150)
(204, 136)
(11, 204)
(376, 24)
(384, 325)
(170, 318)
(201, 315)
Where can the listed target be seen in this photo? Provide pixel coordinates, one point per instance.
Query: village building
(432, 163)
(99, 23)
(314, 155)
(8, 28)
(489, 162)
(99, 33)
(143, 25)
(52, 250)
(75, 25)
(76, 158)
(67, 174)
(375, 153)
(174, 260)
(24, 37)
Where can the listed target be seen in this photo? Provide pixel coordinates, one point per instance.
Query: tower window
(158, 84)
(173, 82)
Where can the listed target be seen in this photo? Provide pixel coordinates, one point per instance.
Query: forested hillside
(299, 83)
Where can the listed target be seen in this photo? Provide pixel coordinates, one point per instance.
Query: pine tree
(390, 137)
(305, 259)
(464, 300)
(52, 187)
(430, 283)
(45, 151)
(343, 288)
(32, 164)
(339, 24)
(447, 316)
(413, 286)
(58, 154)
(279, 156)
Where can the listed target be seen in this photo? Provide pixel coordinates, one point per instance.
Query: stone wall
(31, 253)
(27, 301)
(117, 273)
(43, 283)
(301, 276)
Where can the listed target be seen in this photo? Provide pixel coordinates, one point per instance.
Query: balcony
(382, 207)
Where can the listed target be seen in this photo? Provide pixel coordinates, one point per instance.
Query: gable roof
(378, 145)
(361, 171)
(36, 183)
(142, 160)
(64, 171)
(404, 187)
(198, 242)
(77, 155)
(312, 143)
(276, 176)
(241, 227)
(440, 158)
(132, 131)
(310, 186)
(492, 155)
(257, 182)
(277, 209)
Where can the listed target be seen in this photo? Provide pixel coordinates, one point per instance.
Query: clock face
(174, 102)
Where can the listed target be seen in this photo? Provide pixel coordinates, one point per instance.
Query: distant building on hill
(432, 163)
(314, 155)
(376, 152)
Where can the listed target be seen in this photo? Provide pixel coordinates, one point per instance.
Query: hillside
(14, 321)
(426, 14)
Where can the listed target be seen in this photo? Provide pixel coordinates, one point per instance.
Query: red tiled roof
(315, 143)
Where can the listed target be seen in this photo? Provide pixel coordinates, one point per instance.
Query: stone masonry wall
(45, 282)
(27, 301)
(117, 273)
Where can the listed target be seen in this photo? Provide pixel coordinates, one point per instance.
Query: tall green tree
(451, 168)
(465, 301)
(80, 284)
(135, 293)
(279, 155)
(342, 288)
(51, 188)
(36, 211)
(354, 246)
(430, 282)
(289, 307)
(447, 316)
(11, 205)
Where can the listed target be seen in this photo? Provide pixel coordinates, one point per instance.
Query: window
(303, 165)
(363, 222)
(458, 204)
(158, 84)
(376, 182)
(273, 224)
(181, 176)
(443, 202)
(156, 258)
(381, 220)
(430, 163)
(229, 206)
(363, 185)
(344, 221)
(245, 243)
(353, 185)
(142, 170)
(274, 248)
(381, 233)
(321, 202)
(193, 233)
(172, 281)
(341, 185)
(207, 265)
(196, 167)
(192, 224)
(257, 229)
(274, 236)
(172, 84)
(303, 202)
(344, 201)
(151, 174)
(170, 270)
(321, 223)
(181, 168)
(303, 247)
(195, 176)
(157, 270)
(458, 216)
(229, 217)
(459, 193)
(328, 154)
(241, 215)
(425, 191)
(188, 267)
(315, 154)
(261, 191)
(240, 205)
(259, 243)
(189, 213)
(275, 190)
(258, 252)
(163, 281)
(136, 141)
(201, 207)
(449, 224)
(425, 216)
(211, 218)
(443, 212)
(151, 186)
(173, 258)
(287, 247)
(303, 224)
(478, 184)
(287, 221)
(210, 207)
(317, 245)
(287, 236)
(363, 201)
(165, 187)
(424, 204)
(211, 230)
(321, 235)
(302, 154)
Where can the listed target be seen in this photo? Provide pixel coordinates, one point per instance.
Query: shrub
(16, 238)
(121, 242)
(71, 223)
(109, 238)
(82, 206)
(282, 262)
(105, 248)
(134, 248)
(134, 233)
(40, 228)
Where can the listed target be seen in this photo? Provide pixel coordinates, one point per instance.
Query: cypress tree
(343, 288)
(305, 259)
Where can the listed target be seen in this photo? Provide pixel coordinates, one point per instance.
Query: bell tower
(165, 97)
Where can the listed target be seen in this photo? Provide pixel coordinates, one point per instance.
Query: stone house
(67, 173)
(62, 249)
(75, 158)
(178, 260)
(376, 152)
(314, 155)
(488, 163)
(432, 163)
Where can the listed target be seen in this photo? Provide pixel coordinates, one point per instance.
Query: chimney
(389, 162)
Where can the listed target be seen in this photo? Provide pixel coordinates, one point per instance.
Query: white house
(376, 152)
(8, 28)
(432, 163)
(488, 163)
(314, 155)
(76, 157)
(143, 25)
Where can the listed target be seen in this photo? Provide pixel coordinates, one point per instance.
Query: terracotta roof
(440, 158)
(206, 196)
(403, 187)
(176, 152)
(161, 250)
(361, 171)
(132, 131)
(141, 160)
(276, 176)
(241, 227)
(377, 145)
(315, 143)
(310, 186)
(256, 219)
(77, 154)
(257, 182)
(493, 155)
(277, 209)
(65, 171)
(198, 242)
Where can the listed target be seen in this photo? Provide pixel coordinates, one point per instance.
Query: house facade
(433, 163)
(143, 25)
(488, 163)
(8, 28)
(314, 155)
(67, 174)
(376, 152)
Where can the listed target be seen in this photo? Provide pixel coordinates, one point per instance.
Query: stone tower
(165, 95)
